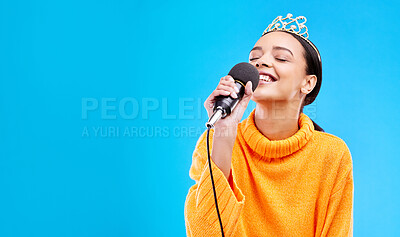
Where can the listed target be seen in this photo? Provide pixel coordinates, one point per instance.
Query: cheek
(289, 72)
(290, 77)
(286, 74)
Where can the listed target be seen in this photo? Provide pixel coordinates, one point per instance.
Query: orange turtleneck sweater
(299, 186)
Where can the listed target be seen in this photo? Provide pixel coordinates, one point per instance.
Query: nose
(264, 64)
(260, 62)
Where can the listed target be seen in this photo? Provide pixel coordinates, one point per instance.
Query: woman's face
(279, 58)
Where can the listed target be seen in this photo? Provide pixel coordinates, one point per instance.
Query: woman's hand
(227, 87)
(225, 130)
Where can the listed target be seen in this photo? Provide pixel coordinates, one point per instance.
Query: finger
(234, 95)
(225, 92)
(213, 95)
(218, 92)
(227, 88)
(228, 83)
(238, 112)
(227, 78)
(242, 105)
(246, 98)
(208, 104)
(249, 88)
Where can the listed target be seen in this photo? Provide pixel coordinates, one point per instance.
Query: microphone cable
(212, 180)
(223, 106)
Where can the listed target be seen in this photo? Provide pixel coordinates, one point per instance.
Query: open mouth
(266, 78)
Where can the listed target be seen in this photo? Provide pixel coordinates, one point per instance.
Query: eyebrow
(274, 48)
(282, 48)
(256, 48)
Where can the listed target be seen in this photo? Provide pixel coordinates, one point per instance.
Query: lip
(268, 74)
(261, 82)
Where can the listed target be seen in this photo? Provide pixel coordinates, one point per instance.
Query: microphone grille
(245, 72)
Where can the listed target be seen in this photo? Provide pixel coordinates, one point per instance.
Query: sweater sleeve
(201, 217)
(339, 218)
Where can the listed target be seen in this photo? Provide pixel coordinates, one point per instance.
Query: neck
(277, 120)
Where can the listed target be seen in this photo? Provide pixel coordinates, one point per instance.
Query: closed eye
(252, 59)
(281, 59)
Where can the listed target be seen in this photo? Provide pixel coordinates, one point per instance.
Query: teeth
(265, 78)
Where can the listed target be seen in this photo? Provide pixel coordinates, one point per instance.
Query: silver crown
(293, 25)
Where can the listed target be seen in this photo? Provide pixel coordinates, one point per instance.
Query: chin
(263, 93)
(261, 97)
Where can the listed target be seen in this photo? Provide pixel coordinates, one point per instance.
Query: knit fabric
(299, 186)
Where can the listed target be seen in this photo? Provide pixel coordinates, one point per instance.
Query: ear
(309, 83)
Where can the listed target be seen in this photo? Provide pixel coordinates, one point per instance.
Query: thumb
(248, 92)
(246, 97)
(242, 105)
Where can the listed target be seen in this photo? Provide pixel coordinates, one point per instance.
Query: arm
(339, 218)
(200, 214)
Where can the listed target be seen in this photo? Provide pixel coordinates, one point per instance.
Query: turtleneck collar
(276, 148)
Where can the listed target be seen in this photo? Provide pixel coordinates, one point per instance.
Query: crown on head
(293, 25)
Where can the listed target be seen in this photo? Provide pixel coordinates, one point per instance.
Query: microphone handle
(224, 105)
(215, 117)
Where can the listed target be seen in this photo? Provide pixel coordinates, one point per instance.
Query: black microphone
(224, 105)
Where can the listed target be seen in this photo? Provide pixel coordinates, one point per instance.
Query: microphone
(224, 105)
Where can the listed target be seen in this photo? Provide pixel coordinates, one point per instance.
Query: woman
(276, 173)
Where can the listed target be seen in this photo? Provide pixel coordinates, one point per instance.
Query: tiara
(293, 25)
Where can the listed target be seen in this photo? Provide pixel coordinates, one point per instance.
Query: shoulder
(335, 151)
(330, 142)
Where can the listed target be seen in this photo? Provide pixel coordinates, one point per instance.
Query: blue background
(160, 60)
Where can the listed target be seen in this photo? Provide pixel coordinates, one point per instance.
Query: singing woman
(276, 173)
